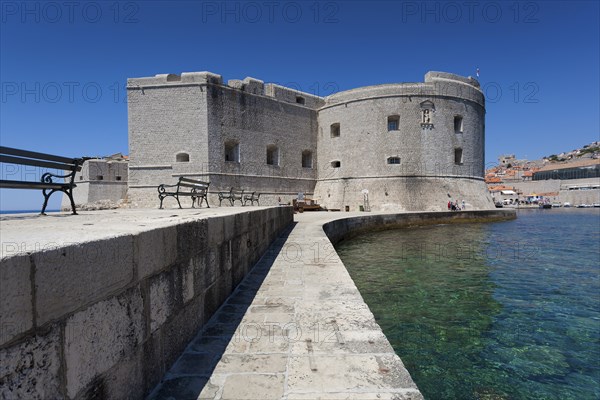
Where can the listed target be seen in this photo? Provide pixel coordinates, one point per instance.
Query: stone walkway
(295, 328)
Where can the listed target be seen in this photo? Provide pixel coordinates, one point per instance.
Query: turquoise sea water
(507, 310)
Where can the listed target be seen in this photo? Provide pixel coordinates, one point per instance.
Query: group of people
(454, 206)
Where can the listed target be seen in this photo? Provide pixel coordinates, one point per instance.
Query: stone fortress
(393, 147)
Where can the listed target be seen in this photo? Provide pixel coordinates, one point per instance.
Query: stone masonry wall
(197, 114)
(425, 174)
(106, 319)
(167, 116)
(255, 121)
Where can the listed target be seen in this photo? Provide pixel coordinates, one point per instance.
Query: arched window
(307, 161)
(427, 110)
(232, 151)
(272, 155)
(182, 157)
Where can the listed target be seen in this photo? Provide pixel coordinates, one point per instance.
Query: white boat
(596, 205)
(556, 205)
(567, 204)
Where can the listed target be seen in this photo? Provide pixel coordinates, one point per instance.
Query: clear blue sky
(64, 65)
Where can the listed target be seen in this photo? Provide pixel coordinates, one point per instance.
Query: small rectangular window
(118, 178)
(182, 157)
(458, 156)
(300, 100)
(393, 123)
(99, 177)
(458, 124)
(232, 151)
(335, 130)
(336, 164)
(307, 159)
(393, 160)
(272, 155)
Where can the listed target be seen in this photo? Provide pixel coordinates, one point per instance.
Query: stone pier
(297, 327)
(100, 305)
(220, 303)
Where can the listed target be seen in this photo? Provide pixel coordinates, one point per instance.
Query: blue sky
(64, 65)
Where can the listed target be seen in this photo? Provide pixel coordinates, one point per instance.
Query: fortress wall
(99, 179)
(167, 115)
(433, 86)
(106, 318)
(94, 191)
(399, 194)
(365, 144)
(255, 122)
(289, 95)
(427, 172)
(207, 116)
(197, 114)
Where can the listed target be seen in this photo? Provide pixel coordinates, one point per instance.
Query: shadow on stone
(190, 374)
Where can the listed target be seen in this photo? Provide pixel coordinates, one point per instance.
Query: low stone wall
(106, 319)
(343, 228)
(402, 194)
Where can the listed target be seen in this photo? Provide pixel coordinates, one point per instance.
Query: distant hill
(591, 150)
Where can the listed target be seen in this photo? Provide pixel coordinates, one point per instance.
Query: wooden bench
(47, 184)
(232, 196)
(252, 197)
(186, 187)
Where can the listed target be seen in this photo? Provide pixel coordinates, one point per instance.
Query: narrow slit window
(393, 123)
(393, 160)
(458, 156)
(458, 124)
(335, 130)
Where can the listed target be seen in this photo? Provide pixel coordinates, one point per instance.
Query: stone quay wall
(105, 319)
(344, 228)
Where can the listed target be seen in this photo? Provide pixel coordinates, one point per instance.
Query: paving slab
(26, 233)
(295, 328)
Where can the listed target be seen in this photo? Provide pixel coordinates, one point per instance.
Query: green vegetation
(586, 150)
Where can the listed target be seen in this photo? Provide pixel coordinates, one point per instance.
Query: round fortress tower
(412, 146)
